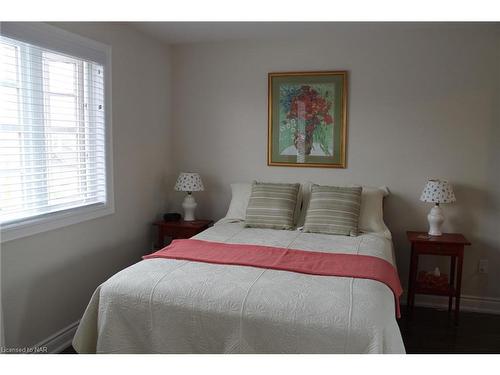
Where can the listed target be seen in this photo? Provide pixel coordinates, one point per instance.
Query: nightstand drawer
(182, 233)
(437, 248)
(180, 229)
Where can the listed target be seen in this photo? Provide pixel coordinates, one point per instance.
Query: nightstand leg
(408, 297)
(452, 280)
(161, 237)
(412, 281)
(459, 285)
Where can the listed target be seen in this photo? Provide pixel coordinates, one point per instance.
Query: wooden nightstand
(180, 229)
(449, 244)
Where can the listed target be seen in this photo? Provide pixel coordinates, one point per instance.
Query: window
(53, 135)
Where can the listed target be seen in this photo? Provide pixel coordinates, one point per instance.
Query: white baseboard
(59, 340)
(487, 305)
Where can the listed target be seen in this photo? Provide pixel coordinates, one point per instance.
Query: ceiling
(202, 32)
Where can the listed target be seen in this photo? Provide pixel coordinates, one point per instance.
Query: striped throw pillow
(272, 205)
(333, 210)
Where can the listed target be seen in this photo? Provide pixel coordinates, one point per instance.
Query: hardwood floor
(69, 350)
(432, 331)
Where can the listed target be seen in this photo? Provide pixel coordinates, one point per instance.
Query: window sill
(53, 221)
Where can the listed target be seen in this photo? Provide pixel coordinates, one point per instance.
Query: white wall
(423, 102)
(47, 279)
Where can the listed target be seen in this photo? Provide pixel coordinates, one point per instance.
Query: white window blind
(52, 131)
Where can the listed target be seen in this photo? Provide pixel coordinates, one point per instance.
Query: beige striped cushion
(272, 205)
(333, 210)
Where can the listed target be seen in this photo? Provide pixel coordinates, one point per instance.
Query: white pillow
(240, 196)
(371, 217)
(240, 192)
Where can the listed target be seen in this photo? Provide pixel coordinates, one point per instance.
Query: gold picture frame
(307, 119)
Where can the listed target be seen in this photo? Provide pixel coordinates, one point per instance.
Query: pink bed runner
(277, 258)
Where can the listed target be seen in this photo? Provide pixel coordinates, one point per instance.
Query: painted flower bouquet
(310, 111)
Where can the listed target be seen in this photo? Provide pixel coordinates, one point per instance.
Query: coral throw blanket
(277, 258)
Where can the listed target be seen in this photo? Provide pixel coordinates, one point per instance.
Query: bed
(179, 306)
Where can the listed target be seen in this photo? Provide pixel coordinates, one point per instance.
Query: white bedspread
(174, 306)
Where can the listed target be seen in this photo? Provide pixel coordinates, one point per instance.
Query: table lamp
(189, 182)
(437, 191)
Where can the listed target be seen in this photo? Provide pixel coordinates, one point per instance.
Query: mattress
(177, 306)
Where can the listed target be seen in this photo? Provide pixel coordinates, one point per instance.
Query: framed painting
(307, 119)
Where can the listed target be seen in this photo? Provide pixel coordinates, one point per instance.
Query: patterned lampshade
(438, 191)
(189, 182)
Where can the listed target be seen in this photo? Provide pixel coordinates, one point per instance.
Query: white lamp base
(189, 206)
(436, 219)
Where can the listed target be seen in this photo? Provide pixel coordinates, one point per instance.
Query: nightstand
(449, 244)
(180, 229)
